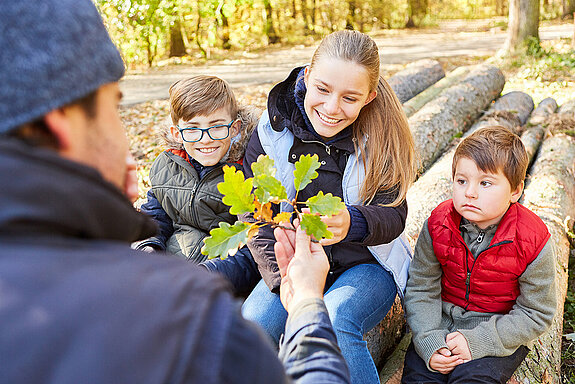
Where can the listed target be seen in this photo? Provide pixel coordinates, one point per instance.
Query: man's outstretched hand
(303, 266)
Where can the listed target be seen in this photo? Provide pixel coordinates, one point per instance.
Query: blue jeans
(356, 302)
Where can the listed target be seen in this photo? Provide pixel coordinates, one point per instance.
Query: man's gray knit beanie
(52, 52)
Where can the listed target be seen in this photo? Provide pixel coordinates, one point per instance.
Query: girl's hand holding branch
(337, 224)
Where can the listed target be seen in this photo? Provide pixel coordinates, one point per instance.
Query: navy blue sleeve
(309, 350)
(250, 357)
(384, 223)
(240, 270)
(154, 209)
(358, 228)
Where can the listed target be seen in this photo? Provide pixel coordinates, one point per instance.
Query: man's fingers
(302, 240)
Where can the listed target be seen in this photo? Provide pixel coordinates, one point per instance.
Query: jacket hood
(249, 117)
(43, 193)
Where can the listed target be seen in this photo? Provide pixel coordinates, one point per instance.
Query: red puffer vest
(488, 283)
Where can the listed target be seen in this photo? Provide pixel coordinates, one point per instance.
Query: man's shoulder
(110, 303)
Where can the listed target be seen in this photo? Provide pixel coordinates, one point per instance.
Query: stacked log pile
(415, 78)
(441, 114)
(550, 193)
(453, 111)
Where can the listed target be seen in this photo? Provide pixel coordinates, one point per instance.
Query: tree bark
(270, 30)
(418, 101)
(225, 26)
(523, 25)
(500, 7)
(551, 195)
(452, 112)
(350, 19)
(535, 129)
(416, 13)
(568, 8)
(306, 19)
(415, 78)
(177, 46)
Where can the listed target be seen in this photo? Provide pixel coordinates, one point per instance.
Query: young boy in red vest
(482, 282)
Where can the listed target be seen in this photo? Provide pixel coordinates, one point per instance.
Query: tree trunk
(225, 30)
(306, 19)
(551, 195)
(435, 185)
(177, 46)
(313, 14)
(270, 31)
(350, 19)
(568, 7)
(500, 7)
(418, 101)
(452, 112)
(417, 11)
(198, 34)
(523, 25)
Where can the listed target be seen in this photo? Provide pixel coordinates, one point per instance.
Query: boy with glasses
(209, 130)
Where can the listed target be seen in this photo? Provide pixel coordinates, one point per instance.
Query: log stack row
(450, 107)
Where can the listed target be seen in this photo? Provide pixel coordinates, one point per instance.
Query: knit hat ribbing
(52, 53)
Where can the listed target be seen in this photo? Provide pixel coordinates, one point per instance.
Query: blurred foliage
(547, 70)
(145, 29)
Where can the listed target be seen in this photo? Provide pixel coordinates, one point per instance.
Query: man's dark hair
(37, 134)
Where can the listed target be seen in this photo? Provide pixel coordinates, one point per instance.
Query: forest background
(149, 31)
(162, 34)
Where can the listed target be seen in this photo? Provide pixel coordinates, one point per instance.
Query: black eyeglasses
(215, 132)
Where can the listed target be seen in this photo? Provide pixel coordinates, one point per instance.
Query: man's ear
(516, 194)
(60, 124)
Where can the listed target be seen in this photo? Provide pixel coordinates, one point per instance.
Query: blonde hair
(381, 131)
(200, 95)
(495, 149)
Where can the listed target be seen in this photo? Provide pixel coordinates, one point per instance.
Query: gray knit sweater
(487, 334)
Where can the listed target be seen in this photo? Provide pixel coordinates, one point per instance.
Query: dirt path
(396, 47)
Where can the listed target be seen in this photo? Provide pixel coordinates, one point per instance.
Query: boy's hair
(495, 149)
(200, 95)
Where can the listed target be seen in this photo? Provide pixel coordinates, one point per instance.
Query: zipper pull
(467, 285)
(480, 237)
(327, 149)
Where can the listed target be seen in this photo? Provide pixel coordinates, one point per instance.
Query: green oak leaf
(263, 166)
(325, 204)
(268, 188)
(237, 191)
(314, 227)
(226, 239)
(305, 171)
